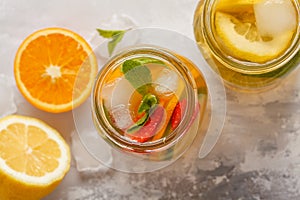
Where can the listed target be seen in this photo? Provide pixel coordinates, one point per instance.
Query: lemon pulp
(239, 37)
(34, 158)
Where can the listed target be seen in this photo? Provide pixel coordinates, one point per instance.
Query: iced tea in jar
(149, 102)
(252, 44)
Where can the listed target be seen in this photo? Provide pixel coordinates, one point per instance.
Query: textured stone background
(257, 156)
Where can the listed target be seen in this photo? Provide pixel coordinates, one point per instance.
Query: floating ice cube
(117, 94)
(122, 92)
(275, 17)
(7, 103)
(167, 82)
(121, 116)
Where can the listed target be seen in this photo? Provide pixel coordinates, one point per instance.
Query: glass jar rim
(240, 66)
(109, 131)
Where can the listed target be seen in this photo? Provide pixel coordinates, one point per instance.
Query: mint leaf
(139, 124)
(138, 75)
(109, 33)
(113, 43)
(129, 65)
(115, 35)
(148, 60)
(148, 101)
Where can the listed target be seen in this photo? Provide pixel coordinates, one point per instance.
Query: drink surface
(251, 44)
(145, 99)
(254, 30)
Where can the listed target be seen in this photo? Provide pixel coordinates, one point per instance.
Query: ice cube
(167, 82)
(119, 21)
(7, 103)
(274, 17)
(84, 160)
(121, 116)
(122, 92)
(91, 153)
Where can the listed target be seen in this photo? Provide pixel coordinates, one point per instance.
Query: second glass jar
(252, 45)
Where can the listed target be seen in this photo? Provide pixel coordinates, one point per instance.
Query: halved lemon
(242, 40)
(55, 69)
(34, 158)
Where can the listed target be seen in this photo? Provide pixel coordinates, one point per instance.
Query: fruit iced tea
(249, 42)
(149, 101)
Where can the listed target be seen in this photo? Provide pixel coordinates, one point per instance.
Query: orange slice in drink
(55, 69)
(34, 158)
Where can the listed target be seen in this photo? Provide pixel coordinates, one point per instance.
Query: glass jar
(201, 120)
(238, 71)
(174, 82)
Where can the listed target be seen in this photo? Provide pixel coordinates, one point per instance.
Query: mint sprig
(139, 124)
(115, 35)
(138, 74)
(148, 101)
(146, 60)
(140, 77)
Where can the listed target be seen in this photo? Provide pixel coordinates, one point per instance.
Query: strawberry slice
(150, 127)
(177, 114)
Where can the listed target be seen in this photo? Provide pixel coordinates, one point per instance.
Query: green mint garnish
(138, 75)
(139, 124)
(144, 61)
(115, 35)
(148, 101)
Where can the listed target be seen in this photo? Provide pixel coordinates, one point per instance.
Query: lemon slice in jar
(242, 40)
(235, 5)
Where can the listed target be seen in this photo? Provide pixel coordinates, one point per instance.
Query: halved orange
(54, 69)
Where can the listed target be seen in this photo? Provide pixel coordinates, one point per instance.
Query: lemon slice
(242, 40)
(235, 5)
(34, 158)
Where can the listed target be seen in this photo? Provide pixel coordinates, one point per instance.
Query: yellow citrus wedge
(242, 40)
(235, 5)
(55, 69)
(34, 158)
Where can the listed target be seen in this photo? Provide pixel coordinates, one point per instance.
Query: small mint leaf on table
(115, 35)
(109, 33)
